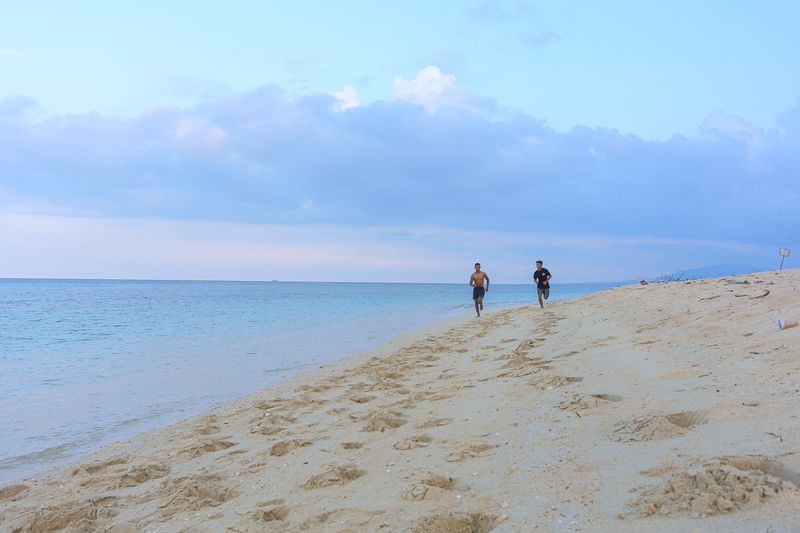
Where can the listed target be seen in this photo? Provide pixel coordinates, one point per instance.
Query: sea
(84, 363)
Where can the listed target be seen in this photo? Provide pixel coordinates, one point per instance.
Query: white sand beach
(666, 407)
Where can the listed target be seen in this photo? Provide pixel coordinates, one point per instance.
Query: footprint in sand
(206, 447)
(456, 522)
(657, 427)
(273, 510)
(208, 427)
(415, 493)
(417, 441)
(435, 423)
(584, 402)
(268, 405)
(430, 485)
(362, 399)
(70, 516)
(470, 452)
(102, 466)
(285, 446)
(338, 475)
(272, 424)
(352, 445)
(142, 474)
(13, 493)
(551, 382)
(430, 396)
(442, 482)
(190, 494)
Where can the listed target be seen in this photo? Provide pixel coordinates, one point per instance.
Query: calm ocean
(87, 362)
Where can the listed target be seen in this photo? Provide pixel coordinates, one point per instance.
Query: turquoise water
(87, 362)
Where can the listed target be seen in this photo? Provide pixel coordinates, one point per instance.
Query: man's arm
(549, 277)
(487, 282)
(472, 280)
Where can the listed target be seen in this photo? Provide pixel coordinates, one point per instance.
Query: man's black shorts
(478, 292)
(543, 292)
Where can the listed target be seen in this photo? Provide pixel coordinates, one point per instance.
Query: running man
(542, 278)
(476, 282)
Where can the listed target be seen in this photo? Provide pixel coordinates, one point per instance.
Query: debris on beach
(720, 485)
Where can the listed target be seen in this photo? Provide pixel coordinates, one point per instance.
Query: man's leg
(547, 293)
(477, 310)
(541, 303)
(480, 302)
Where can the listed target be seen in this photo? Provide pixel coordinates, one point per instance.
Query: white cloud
(346, 99)
(431, 89)
(13, 55)
(734, 126)
(198, 133)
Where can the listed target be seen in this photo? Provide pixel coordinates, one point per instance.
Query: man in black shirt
(542, 278)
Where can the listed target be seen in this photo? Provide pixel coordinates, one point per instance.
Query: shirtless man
(476, 282)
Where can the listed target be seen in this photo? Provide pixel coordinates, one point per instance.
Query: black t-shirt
(540, 276)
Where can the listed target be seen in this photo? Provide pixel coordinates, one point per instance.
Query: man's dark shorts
(543, 292)
(478, 292)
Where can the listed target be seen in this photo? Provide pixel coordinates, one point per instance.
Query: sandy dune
(667, 407)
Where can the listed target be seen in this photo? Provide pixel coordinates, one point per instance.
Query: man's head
(539, 264)
(477, 267)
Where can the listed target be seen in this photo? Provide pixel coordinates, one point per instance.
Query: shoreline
(67, 452)
(520, 420)
(305, 373)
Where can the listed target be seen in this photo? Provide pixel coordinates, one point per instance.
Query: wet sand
(666, 407)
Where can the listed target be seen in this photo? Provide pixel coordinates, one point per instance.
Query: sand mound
(456, 523)
(384, 421)
(721, 485)
(656, 427)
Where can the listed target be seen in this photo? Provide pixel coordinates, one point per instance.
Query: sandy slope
(669, 407)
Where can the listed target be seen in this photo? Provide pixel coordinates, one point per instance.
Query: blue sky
(364, 141)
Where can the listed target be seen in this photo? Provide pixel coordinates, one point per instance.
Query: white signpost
(784, 253)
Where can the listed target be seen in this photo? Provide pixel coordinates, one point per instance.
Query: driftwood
(711, 297)
(766, 292)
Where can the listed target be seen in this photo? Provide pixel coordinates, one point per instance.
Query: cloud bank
(431, 156)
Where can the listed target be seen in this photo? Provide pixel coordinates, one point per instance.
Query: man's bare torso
(478, 279)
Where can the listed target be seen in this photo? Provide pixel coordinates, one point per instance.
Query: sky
(363, 141)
